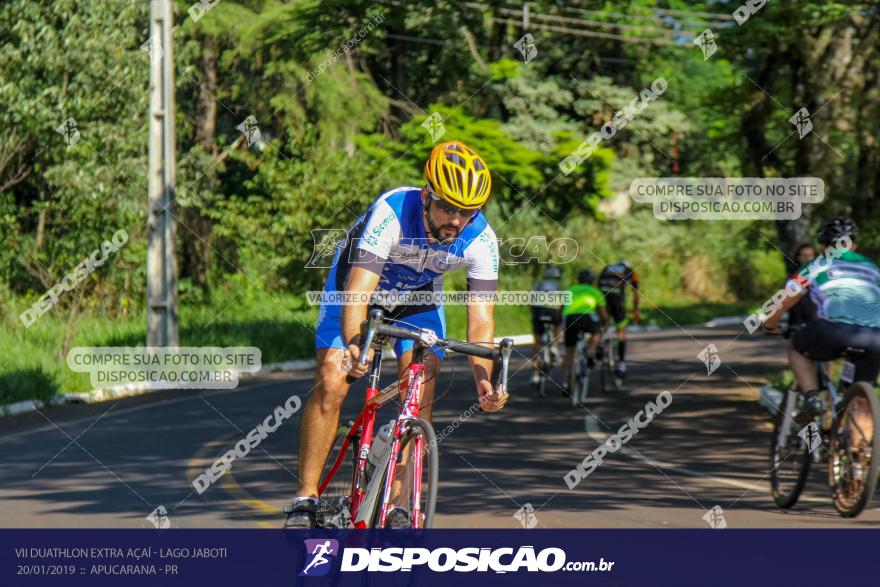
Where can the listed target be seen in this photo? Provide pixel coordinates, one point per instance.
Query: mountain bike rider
(587, 312)
(805, 310)
(406, 241)
(613, 282)
(845, 287)
(550, 282)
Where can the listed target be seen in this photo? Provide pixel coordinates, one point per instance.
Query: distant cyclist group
(590, 308)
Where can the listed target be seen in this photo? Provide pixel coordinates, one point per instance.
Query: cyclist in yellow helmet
(408, 239)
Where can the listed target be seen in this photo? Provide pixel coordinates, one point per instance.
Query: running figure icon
(319, 552)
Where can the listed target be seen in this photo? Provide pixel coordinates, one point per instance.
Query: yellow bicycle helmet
(456, 173)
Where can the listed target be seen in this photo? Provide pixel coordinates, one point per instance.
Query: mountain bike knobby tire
(855, 479)
(788, 468)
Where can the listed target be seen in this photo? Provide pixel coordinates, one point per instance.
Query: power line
(600, 13)
(605, 25)
(583, 33)
(681, 35)
(444, 42)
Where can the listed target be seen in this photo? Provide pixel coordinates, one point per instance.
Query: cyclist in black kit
(613, 282)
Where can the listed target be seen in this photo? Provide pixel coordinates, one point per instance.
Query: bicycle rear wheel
(419, 438)
(855, 450)
(789, 454)
(334, 503)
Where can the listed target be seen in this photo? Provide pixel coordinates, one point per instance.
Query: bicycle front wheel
(418, 479)
(855, 450)
(337, 481)
(789, 454)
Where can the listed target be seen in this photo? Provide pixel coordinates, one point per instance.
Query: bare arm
(481, 328)
(772, 323)
(363, 281)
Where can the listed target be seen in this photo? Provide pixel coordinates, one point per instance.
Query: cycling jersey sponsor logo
(372, 237)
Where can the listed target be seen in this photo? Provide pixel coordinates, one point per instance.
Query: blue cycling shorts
(328, 334)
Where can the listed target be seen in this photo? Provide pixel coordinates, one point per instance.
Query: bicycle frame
(364, 494)
(825, 383)
(362, 497)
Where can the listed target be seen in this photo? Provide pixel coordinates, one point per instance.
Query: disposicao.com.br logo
(318, 553)
(444, 559)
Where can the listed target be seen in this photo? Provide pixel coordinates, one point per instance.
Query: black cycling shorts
(616, 307)
(821, 340)
(575, 324)
(554, 314)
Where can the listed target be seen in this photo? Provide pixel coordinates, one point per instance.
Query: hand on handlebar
(491, 400)
(354, 354)
(771, 331)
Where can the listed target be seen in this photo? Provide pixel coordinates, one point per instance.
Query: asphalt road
(112, 464)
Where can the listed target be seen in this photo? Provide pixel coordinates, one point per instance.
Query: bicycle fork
(360, 493)
(409, 412)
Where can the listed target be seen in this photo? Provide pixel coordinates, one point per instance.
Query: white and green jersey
(845, 289)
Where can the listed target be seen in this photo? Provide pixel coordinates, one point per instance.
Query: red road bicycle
(364, 471)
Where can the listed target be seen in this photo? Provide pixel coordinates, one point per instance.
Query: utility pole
(525, 17)
(161, 258)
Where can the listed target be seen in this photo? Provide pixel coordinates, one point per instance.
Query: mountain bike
(544, 359)
(579, 384)
(847, 432)
(363, 468)
(608, 378)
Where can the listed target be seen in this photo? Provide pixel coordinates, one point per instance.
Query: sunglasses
(451, 210)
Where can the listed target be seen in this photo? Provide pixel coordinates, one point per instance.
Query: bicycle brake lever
(501, 363)
(375, 317)
(506, 350)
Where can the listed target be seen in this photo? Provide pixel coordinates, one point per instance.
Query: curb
(123, 391)
(21, 407)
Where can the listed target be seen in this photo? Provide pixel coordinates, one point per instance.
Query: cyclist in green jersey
(586, 313)
(845, 287)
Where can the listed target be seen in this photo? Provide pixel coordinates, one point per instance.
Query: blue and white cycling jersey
(392, 233)
(393, 230)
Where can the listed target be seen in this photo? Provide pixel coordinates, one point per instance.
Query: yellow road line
(202, 459)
